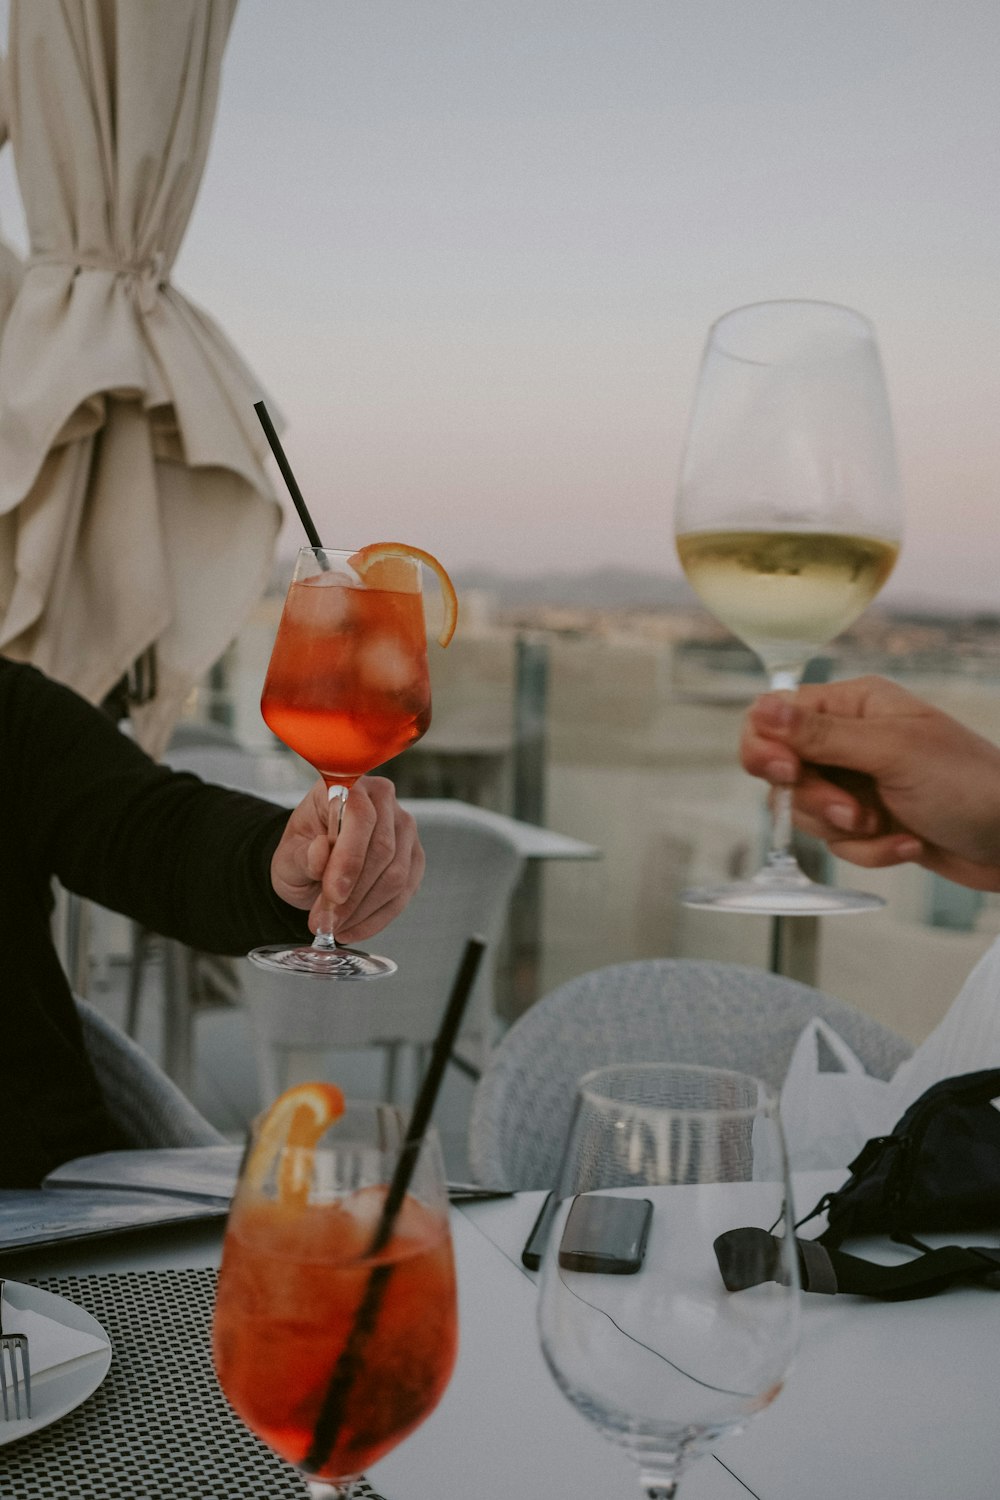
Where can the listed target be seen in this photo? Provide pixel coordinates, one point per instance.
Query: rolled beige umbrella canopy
(137, 520)
(11, 269)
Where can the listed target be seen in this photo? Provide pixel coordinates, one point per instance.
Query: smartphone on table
(602, 1234)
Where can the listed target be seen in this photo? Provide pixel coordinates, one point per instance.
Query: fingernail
(780, 772)
(841, 816)
(776, 710)
(909, 848)
(343, 888)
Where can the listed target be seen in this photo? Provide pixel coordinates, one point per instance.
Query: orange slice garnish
(374, 563)
(290, 1130)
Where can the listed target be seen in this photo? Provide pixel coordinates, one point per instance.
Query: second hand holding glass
(788, 521)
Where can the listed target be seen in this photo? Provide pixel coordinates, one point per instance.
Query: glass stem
(779, 854)
(337, 799)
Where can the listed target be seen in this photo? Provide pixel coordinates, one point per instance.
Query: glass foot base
(781, 897)
(322, 963)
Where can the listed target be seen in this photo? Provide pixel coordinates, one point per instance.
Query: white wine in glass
(788, 520)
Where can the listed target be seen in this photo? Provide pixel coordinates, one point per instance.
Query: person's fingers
(768, 758)
(376, 864)
(396, 881)
(363, 847)
(868, 697)
(837, 806)
(774, 738)
(318, 856)
(397, 886)
(872, 745)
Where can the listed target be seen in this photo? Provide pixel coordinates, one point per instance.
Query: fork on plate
(15, 1369)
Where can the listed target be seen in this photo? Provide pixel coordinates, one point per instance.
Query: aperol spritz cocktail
(329, 1350)
(348, 688)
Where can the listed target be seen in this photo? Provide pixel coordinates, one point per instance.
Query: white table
(533, 841)
(502, 1428)
(893, 1401)
(886, 1401)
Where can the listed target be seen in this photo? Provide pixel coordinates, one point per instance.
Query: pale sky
(472, 248)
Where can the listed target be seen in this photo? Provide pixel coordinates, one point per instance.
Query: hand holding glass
(347, 688)
(788, 519)
(666, 1362)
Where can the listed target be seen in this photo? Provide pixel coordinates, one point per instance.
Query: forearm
(187, 860)
(81, 802)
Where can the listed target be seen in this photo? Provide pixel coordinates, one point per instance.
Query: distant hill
(634, 588)
(601, 588)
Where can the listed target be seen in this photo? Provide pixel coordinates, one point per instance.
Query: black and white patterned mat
(159, 1427)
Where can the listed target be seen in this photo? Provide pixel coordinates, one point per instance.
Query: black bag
(939, 1170)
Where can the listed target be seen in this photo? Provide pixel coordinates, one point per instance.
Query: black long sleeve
(80, 801)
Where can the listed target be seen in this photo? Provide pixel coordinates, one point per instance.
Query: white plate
(59, 1390)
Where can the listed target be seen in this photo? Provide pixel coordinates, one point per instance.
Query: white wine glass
(788, 521)
(666, 1361)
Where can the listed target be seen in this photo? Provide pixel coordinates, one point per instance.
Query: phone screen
(605, 1234)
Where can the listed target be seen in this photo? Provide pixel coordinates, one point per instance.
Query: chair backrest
(468, 882)
(678, 1010)
(267, 773)
(144, 1103)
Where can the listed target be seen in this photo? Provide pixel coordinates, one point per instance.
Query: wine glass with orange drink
(348, 688)
(335, 1328)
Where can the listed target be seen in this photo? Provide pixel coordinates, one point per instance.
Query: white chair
(657, 1010)
(148, 1108)
(470, 876)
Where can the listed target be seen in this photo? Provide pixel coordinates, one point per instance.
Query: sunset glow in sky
(472, 249)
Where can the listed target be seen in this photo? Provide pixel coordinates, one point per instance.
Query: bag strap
(748, 1257)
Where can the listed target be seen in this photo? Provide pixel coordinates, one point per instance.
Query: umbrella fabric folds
(135, 508)
(11, 269)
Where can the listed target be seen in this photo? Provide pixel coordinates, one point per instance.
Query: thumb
(869, 745)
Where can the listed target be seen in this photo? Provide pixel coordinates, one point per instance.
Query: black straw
(331, 1413)
(289, 478)
(427, 1097)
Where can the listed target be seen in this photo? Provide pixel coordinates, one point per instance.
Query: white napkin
(49, 1343)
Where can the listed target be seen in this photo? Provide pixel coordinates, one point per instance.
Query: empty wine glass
(666, 1361)
(788, 520)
